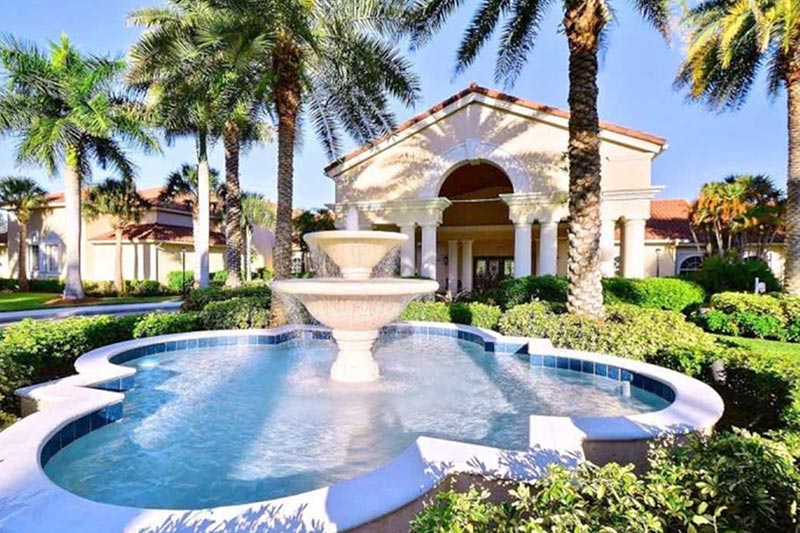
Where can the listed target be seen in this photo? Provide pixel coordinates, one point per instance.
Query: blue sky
(637, 70)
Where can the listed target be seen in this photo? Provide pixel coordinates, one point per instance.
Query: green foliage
(629, 331)
(236, 313)
(752, 315)
(735, 482)
(718, 275)
(472, 313)
(198, 299)
(133, 287)
(219, 277)
(46, 285)
(178, 280)
(523, 290)
(36, 350)
(160, 323)
(671, 294)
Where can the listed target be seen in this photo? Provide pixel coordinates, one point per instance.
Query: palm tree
(123, 205)
(255, 212)
(333, 61)
(310, 222)
(22, 195)
(65, 110)
(729, 41)
(168, 64)
(584, 23)
(182, 187)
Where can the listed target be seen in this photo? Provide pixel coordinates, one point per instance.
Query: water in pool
(227, 425)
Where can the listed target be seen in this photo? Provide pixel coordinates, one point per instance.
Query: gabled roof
(474, 88)
(160, 233)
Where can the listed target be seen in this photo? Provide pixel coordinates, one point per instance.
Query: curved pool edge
(25, 489)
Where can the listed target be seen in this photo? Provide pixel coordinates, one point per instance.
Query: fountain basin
(355, 310)
(356, 252)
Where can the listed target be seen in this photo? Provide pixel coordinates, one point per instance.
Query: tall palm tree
(22, 195)
(583, 23)
(65, 110)
(182, 187)
(168, 64)
(123, 205)
(729, 42)
(333, 60)
(255, 212)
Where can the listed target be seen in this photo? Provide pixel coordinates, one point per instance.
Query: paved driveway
(87, 310)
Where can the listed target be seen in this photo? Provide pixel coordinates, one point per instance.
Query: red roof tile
(669, 220)
(475, 88)
(160, 233)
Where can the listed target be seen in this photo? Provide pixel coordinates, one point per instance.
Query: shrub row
(133, 287)
(718, 275)
(671, 294)
(473, 313)
(752, 315)
(731, 482)
(198, 299)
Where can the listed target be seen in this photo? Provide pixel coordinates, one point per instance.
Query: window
(297, 264)
(690, 264)
(50, 259)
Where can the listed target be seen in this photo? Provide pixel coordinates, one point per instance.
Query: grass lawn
(765, 347)
(25, 301)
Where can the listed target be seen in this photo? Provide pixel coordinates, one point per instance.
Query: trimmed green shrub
(160, 323)
(671, 294)
(236, 313)
(472, 313)
(736, 482)
(46, 285)
(143, 287)
(36, 350)
(197, 299)
(179, 281)
(750, 315)
(523, 290)
(219, 277)
(718, 275)
(628, 331)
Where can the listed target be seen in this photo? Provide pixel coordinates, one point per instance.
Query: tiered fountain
(355, 306)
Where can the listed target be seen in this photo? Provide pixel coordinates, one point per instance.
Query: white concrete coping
(9, 317)
(31, 503)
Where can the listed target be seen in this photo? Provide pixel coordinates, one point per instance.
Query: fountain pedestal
(355, 363)
(355, 308)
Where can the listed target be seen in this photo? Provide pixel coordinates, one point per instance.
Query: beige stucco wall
(410, 169)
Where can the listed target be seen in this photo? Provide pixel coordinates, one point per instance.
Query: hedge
(198, 299)
(160, 323)
(236, 313)
(752, 315)
(718, 275)
(672, 294)
(472, 313)
(179, 281)
(734, 482)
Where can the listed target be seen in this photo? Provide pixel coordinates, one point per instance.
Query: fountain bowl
(356, 252)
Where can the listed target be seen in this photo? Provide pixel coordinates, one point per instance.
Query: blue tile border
(77, 429)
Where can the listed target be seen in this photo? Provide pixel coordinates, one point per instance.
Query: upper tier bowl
(356, 252)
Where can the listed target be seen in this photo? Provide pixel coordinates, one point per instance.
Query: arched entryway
(476, 238)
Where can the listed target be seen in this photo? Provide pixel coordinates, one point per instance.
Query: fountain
(355, 306)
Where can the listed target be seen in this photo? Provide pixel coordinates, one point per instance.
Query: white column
(522, 250)
(607, 230)
(408, 250)
(548, 248)
(633, 249)
(452, 267)
(428, 260)
(466, 266)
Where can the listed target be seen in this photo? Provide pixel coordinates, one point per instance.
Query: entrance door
(488, 272)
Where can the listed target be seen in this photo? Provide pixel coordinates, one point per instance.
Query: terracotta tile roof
(497, 95)
(160, 233)
(150, 194)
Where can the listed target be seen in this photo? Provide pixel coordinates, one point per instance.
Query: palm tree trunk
(201, 236)
(585, 296)
(22, 262)
(792, 267)
(73, 287)
(119, 283)
(287, 104)
(233, 205)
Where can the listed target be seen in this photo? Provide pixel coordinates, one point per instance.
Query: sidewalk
(10, 317)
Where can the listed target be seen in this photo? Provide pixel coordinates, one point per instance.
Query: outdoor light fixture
(183, 271)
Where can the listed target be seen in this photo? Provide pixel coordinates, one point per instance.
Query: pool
(219, 425)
